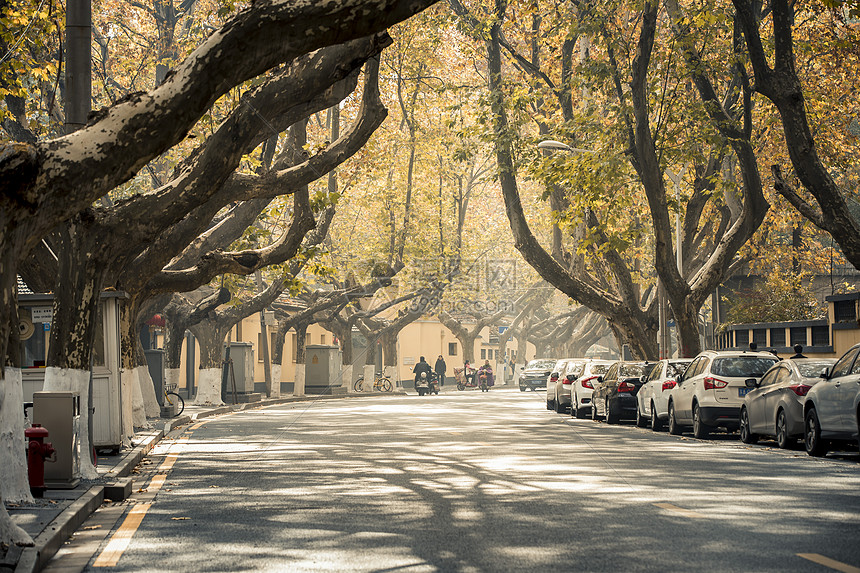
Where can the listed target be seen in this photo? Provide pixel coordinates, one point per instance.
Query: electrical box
(59, 413)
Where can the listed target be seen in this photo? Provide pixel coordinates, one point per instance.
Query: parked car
(832, 407)
(614, 397)
(535, 374)
(652, 400)
(710, 392)
(558, 384)
(583, 386)
(774, 404)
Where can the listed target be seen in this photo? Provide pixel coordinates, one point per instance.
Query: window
(742, 338)
(322, 338)
(483, 353)
(770, 377)
(760, 336)
(844, 365)
(260, 347)
(844, 311)
(798, 335)
(452, 349)
(821, 335)
(777, 337)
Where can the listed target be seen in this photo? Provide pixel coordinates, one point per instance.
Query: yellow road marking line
(122, 538)
(680, 510)
(197, 425)
(830, 563)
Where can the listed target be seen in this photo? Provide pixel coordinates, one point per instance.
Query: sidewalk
(51, 520)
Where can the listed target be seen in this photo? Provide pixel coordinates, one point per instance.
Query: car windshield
(599, 368)
(538, 364)
(575, 368)
(676, 369)
(630, 370)
(813, 369)
(742, 366)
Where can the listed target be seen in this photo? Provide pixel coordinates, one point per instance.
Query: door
(830, 393)
(756, 400)
(772, 396)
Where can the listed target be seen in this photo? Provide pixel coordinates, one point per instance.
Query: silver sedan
(773, 406)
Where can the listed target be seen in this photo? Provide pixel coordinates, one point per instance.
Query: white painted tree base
(147, 388)
(346, 377)
(69, 380)
(369, 374)
(208, 387)
(138, 411)
(10, 533)
(14, 483)
(299, 386)
(391, 374)
(275, 372)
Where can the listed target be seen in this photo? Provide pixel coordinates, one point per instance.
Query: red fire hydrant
(37, 452)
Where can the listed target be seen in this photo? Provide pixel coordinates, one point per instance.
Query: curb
(48, 542)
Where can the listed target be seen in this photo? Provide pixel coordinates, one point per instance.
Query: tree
(44, 183)
(781, 83)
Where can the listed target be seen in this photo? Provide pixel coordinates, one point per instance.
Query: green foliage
(782, 297)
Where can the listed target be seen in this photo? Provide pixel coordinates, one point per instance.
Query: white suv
(652, 400)
(711, 391)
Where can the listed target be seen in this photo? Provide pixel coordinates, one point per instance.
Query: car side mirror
(751, 383)
(679, 378)
(825, 372)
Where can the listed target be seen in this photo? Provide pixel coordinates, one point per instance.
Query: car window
(676, 368)
(813, 369)
(575, 368)
(538, 364)
(697, 367)
(770, 377)
(611, 373)
(742, 366)
(598, 369)
(844, 365)
(630, 370)
(784, 375)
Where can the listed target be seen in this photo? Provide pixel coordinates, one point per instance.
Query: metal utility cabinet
(59, 413)
(323, 369)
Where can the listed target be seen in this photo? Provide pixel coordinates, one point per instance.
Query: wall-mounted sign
(42, 314)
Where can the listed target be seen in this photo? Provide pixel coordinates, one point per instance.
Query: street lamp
(554, 145)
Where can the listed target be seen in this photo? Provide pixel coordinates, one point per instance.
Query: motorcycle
(485, 379)
(425, 384)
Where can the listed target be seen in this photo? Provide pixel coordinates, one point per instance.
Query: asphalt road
(473, 482)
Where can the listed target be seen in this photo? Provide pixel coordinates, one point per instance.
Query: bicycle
(171, 397)
(380, 382)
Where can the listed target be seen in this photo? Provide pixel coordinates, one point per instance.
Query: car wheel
(700, 429)
(656, 423)
(641, 422)
(674, 428)
(574, 409)
(559, 407)
(815, 445)
(747, 436)
(612, 416)
(550, 405)
(594, 412)
(783, 440)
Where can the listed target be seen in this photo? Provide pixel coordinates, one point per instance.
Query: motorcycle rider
(422, 366)
(486, 368)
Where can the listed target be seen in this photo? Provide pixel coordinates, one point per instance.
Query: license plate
(743, 391)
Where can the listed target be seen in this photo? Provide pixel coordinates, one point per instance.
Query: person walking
(440, 368)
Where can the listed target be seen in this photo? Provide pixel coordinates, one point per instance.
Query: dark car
(615, 396)
(535, 374)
